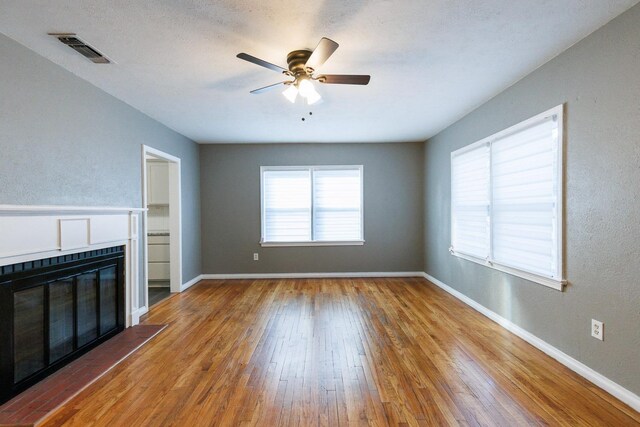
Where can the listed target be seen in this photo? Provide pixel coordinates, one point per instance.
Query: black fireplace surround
(54, 310)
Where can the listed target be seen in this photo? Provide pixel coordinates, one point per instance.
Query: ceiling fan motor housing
(297, 60)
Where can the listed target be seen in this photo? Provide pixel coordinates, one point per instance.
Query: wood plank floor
(336, 352)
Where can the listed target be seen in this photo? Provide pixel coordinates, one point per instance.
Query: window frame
(310, 169)
(559, 282)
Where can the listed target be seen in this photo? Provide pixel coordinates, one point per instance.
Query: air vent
(81, 47)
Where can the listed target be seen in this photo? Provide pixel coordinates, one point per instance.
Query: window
(506, 200)
(311, 205)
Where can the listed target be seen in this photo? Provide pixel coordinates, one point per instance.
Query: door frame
(175, 222)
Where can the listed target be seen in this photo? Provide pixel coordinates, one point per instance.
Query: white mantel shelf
(66, 209)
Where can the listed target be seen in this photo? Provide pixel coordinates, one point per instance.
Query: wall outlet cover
(597, 329)
(256, 256)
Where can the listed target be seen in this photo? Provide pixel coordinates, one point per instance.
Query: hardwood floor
(336, 352)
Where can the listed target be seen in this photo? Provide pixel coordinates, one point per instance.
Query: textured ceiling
(431, 61)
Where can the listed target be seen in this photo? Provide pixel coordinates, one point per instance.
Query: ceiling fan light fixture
(313, 97)
(291, 93)
(308, 91)
(305, 87)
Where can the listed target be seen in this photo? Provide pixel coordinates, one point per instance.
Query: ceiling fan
(302, 67)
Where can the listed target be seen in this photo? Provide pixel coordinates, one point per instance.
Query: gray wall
(599, 80)
(66, 142)
(231, 208)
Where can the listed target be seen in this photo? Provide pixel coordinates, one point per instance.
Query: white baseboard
(580, 368)
(311, 275)
(191, 282)
(136, 314)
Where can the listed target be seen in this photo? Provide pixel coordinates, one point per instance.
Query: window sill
(542, 280)
(341, 243)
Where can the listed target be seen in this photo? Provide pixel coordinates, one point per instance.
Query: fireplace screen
(54, 310)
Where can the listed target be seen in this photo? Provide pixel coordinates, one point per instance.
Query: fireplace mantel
(66, 209)
(29, 233)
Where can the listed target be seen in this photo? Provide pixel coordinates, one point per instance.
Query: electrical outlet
(255, 256)
(597, 329)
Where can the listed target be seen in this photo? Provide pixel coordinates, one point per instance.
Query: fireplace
(56, 309)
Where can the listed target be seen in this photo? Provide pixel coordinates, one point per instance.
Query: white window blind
(311, 204)
(506, 200)
(287, 205)
(336, 205)
(524, 186)
(470, 201)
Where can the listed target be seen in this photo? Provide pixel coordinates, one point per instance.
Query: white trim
(8, 258)
(580, 368)
(161, 154)
(175, 225)
(311, 243)
(546, 281)
(133, 260)
(12, 209)
(145, 238)
(557, 110)
(309, 167)
(175, 219)
(310, 275)
(190, 283)
(137, 314)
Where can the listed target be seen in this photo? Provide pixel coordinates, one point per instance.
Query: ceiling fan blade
(321, 53)
(260, 62)
(344, 79)
(267, 88)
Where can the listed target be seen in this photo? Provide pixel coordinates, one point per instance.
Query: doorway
(162, 227)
